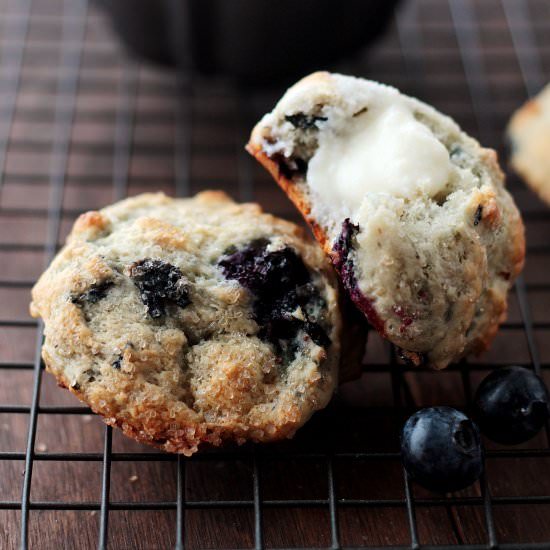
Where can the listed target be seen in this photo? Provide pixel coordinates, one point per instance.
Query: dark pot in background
(142, 26)
(255, 41)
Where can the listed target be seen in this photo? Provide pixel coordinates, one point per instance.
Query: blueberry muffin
(529, 133)
(190, 321)
(412, 211)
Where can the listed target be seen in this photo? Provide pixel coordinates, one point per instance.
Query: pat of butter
(385, 150)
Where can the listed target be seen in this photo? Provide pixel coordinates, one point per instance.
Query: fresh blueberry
(511, 405)
(441, 449)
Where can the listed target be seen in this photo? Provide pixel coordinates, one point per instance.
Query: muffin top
(191, 320)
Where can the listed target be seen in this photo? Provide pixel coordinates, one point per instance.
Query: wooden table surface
(81, 124)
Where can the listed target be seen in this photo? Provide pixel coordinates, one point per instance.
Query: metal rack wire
(461, 21)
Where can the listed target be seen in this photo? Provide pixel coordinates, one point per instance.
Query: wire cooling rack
(82, 125)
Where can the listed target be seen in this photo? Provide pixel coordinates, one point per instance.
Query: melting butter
(384, 150)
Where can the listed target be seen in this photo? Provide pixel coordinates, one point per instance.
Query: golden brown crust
(165, 435)
(493, 215)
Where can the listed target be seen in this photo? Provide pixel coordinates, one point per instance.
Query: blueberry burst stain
(342, 261)
(341, 253)
(159, 284)
(281, 285)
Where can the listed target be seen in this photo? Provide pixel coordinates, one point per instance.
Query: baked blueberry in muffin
(411, 210)
(191, 321)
